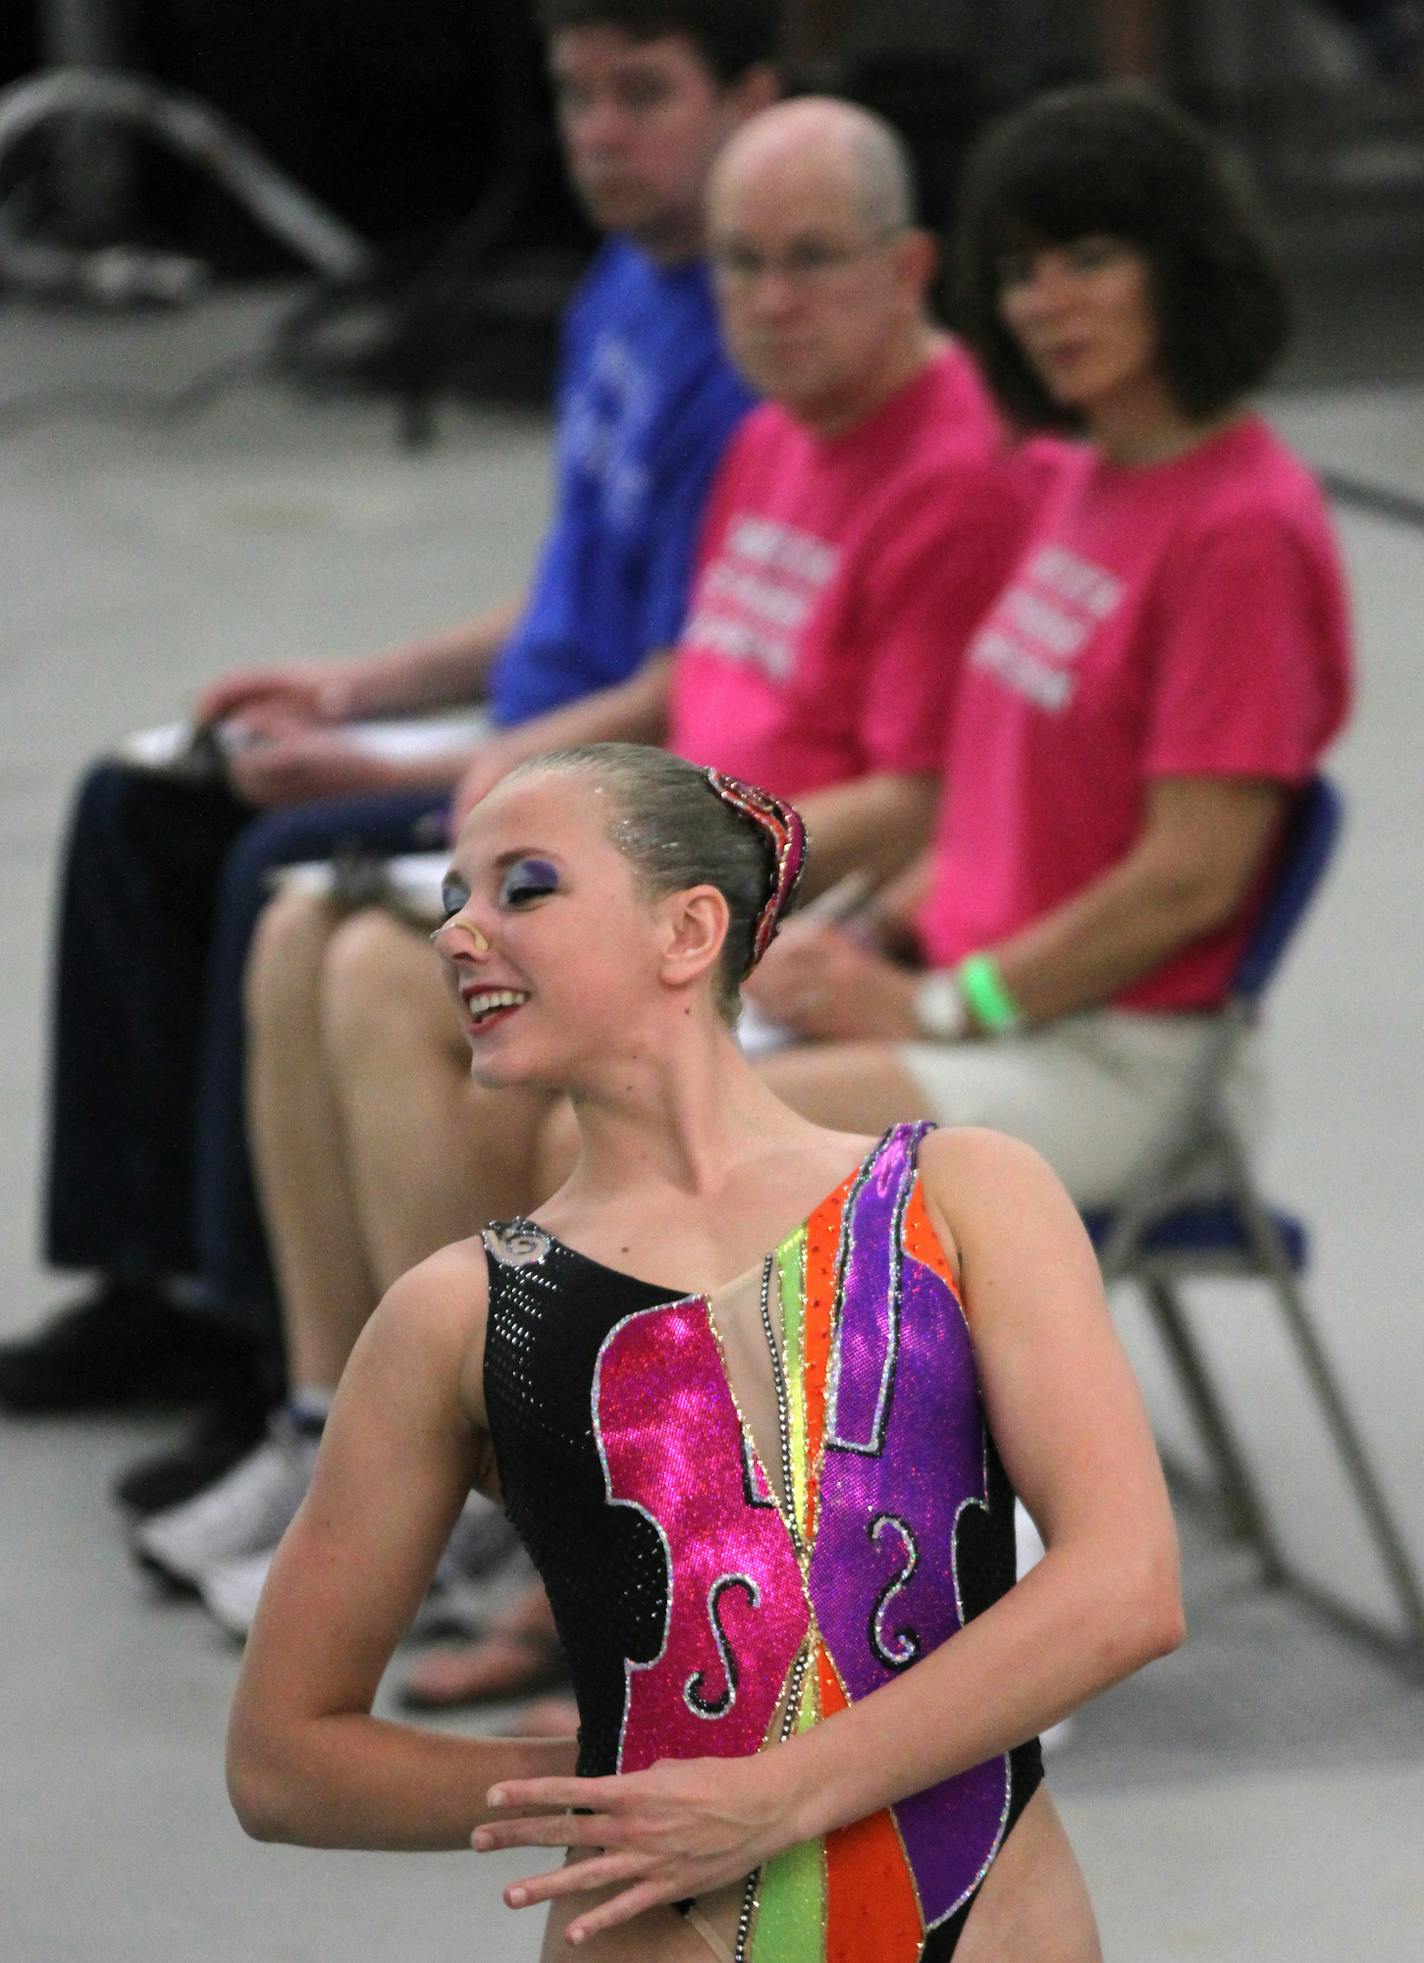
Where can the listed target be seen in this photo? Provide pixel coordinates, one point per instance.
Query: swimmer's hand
(680, 1829)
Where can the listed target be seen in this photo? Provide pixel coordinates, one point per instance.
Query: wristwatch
(939, 1008)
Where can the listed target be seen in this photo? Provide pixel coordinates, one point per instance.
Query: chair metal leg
(1369, 1495)
(1243, 1501)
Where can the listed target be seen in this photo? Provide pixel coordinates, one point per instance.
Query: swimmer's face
(553, 952)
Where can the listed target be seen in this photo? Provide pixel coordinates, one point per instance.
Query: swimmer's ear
(692, 928)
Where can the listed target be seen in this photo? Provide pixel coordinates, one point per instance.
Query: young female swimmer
(758, 1396)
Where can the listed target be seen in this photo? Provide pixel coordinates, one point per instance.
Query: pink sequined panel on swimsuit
(671, 1445)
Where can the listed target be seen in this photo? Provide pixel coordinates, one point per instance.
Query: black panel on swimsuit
(603, 1566)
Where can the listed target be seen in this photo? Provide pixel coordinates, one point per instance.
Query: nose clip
(482, 945)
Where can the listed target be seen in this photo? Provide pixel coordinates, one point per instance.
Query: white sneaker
(231, 1590)
(246, 1512)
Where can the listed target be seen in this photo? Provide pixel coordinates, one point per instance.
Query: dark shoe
(222, 1435)
(124, 1349)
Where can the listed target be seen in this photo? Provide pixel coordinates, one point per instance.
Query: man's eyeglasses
(809, 264)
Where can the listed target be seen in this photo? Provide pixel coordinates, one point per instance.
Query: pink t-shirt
(838, 585)
(1186, 619)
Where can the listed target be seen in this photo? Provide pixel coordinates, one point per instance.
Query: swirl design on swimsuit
(901, 1649)
(692, 1690)
(517, 1243)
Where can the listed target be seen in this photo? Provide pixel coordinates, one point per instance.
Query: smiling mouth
(487, 1006)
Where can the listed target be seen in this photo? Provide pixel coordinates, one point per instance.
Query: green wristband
(990, 1002)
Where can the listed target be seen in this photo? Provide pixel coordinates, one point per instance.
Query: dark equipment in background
(469, 266)
(479, 314)
(428, 133)
(458, 240)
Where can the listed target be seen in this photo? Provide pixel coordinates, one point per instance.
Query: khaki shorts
(1093, 1093)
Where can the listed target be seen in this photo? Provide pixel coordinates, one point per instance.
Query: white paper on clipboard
(171, 749)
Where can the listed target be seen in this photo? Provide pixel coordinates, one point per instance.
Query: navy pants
(148, 1169)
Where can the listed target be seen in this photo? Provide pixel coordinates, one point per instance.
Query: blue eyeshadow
(454, 894)
(530, 879)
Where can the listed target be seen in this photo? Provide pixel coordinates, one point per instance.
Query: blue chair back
(1312, 832)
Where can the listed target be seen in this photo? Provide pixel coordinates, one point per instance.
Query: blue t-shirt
(646, 403)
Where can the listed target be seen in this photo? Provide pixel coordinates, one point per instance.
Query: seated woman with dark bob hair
(1159, 676)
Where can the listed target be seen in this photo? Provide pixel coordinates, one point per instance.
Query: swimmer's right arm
(307, 1762)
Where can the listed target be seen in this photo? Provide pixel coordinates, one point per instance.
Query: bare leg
(845, 1086)
(517, 1654)
(433, 1156)
(307, 1197)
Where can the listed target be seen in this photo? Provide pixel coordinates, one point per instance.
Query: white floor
(1258, 1798)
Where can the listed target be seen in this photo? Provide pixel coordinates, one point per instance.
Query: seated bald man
(863, 519)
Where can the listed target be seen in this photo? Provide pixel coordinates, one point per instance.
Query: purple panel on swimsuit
(882, 1573)
(671, 1444)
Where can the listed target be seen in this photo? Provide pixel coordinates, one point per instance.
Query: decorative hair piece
(787, 837)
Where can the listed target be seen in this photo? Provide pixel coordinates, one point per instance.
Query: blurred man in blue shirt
(148, 1185)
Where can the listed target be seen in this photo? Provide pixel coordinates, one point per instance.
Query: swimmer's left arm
(1071, 1429)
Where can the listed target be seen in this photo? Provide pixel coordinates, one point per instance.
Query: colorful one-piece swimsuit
(699, 1616)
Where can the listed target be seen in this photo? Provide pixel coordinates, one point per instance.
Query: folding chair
(1162, 1235)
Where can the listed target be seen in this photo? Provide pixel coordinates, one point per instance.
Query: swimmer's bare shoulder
(980, 1185)
(426, 1344)
(455, 1282)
